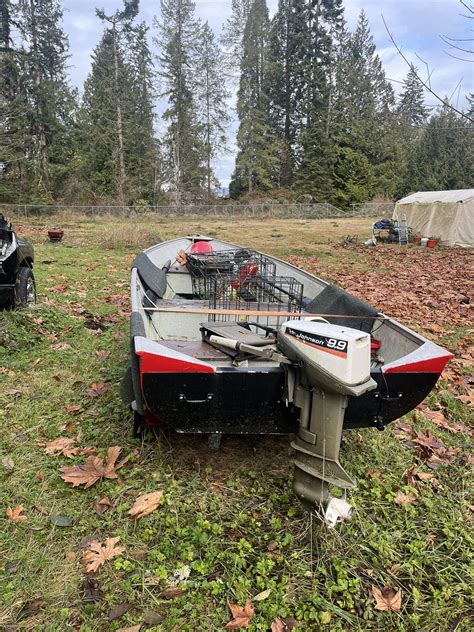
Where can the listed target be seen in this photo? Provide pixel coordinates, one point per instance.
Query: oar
(250, 312)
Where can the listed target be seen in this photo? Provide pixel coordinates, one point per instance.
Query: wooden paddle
(250, 312)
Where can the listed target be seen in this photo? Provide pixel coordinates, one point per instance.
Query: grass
(229, 519)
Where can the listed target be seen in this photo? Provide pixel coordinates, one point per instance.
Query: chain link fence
(373, 209)
(263, 210)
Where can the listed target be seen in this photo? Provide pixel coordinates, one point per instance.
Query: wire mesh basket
(247, 291)
(206, 267)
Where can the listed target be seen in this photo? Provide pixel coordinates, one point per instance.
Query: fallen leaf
(101, 505)
(283, 625)
(100, 353)
(150, 617)
(15, 515)
(30, 608)
(145, 504)
(131, 628)
(427, 477)
(241, 616)
(404, 499)
(387, 599)
(436, 417)
(73, 408)
(97, 554)
(60, 521)
(263, 595)
(93, 469)
(96, 389)
(444, 455)
(467, 399)
(8, 463)
(428, 440)
(171, 593)
(61, 346)
(118, 611)
(60, 445)
(374, 474)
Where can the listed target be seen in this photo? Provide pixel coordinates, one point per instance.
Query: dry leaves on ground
(101, 505)
(241, 616)
(145, 504)
(16, 515)
(96, 389)
(284, 625)
(172, 593)
(61, 346)
(97, 554)
(405, 499)
(436, 417)
(387, 599)
(93, 469)
(430, 448)
(65, 446)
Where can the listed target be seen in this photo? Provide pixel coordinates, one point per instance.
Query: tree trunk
(208, 136)
(43, 161)
(121, 178)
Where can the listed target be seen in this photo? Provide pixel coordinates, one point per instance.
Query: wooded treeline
(317, 117)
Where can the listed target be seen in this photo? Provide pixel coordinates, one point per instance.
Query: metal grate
(242, 279)
(205, 268)
(255, 292)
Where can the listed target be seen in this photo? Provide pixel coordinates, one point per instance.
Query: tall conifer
(178, 30)
(257, 150)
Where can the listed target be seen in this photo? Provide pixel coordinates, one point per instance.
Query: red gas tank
(201, 247)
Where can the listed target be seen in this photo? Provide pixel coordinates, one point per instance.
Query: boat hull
(249, 402)
(198, 394)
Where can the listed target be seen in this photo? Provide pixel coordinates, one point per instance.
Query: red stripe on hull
(153, 363)
(431, 365)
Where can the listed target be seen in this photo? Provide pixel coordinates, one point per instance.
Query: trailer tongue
(325, 364)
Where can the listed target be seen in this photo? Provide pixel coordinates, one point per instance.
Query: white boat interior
(181, 328)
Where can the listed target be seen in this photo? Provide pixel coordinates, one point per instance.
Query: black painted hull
(242, 402)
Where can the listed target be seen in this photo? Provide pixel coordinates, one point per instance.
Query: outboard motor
(329, 364)
(325, 364)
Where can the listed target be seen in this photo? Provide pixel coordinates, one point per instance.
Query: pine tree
(442, 160)
(314, 155)
(99, 147)
(141, 147)
(233, 34)
(119, 21)
(286, 79)
(257, 150)
(211, 98)
(14, 110)
(183, 141)
(412, 102)
(368, 148)
(50, 99)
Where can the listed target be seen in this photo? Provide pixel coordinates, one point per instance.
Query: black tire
(25, 289)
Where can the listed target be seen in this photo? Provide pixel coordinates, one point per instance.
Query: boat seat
(334, 300)
(235, 331)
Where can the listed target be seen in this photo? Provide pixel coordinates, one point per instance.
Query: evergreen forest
(314, 116)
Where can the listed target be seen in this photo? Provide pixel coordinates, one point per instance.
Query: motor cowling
(332, 357)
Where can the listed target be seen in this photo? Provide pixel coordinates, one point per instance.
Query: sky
(415, 24)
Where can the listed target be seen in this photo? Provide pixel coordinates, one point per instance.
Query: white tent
(445, 215)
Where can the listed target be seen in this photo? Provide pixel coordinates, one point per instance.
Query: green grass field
(228, 528)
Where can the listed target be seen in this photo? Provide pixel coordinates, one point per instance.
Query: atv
(17, 282)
